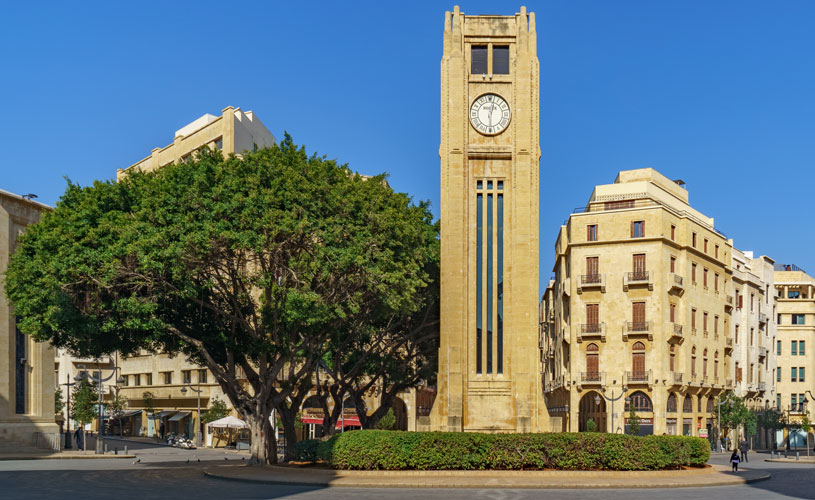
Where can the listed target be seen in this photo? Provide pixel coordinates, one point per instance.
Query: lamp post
(612, 398)
(198, 395)
(99, 380)
(803, 413)
(68, 384)
(719, 423)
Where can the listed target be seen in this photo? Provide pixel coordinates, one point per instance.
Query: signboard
(702, 432)
(670, 421)
(644, 421)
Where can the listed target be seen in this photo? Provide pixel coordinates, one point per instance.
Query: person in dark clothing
(161, 429)
(734, 460)
(80, 444)
(743, 447)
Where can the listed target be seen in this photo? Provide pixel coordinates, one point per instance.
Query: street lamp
(719, 423)
(68, 384)
(612, 398)
(198, 424)
(99, 381)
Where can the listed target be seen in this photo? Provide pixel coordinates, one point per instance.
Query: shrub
(590, 425)
(392, 450)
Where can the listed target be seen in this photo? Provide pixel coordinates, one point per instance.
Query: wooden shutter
(639, 362)
(592, 265)
(632, 229)
(592, 314)
(639, 312)
(592, 363)
(639, 263)
(673, 313)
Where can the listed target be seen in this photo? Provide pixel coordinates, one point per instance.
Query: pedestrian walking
(80, 445)
(743, 447)
(734, 460)
(161, 429)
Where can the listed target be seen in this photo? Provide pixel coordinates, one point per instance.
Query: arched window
(672, 403)
(592, 363)
(640, 401)
(710, 405)
(704, 363)
(693, 361)
(687, 405)
(638, 362)
(716, 364)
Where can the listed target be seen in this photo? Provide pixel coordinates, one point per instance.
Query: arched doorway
(639, 402)
(592, 362)
(400, 412)
(592, 407)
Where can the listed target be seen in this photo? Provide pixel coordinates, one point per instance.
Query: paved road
(164, 473)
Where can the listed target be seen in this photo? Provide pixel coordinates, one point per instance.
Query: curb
(63, 457)
(470, 482)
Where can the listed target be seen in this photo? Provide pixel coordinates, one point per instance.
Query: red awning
(349, 421)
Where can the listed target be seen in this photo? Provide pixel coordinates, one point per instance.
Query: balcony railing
(762, 352)
(637, 278)
(638, 377)
(677, 284)
(728, 383)
(677, 334)
(677, 378)
(635, 328)
(592, 281)
(728, 305)
(592, 378)
(592, 331)
(728, 344)
(762, 318)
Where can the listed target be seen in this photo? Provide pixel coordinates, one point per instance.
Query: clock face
(490, 114)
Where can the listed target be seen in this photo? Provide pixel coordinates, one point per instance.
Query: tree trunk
(259, 447)
(289, 417)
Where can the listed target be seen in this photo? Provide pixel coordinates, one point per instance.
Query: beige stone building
(26, 367)
(489, 216)
(795, 316)
(638, 310)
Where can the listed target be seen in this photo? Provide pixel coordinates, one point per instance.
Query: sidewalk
(711, 476)
(57, 455)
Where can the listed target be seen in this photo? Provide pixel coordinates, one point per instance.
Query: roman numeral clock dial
(490, 114)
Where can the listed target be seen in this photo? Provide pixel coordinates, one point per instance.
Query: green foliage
(148, 400)
(59, 403)
(806, 424)
(387, 422)
(389, 450)
(590, 425)
(751, 423)
(84, 402)
(117, 405)
(633, 423)
(734, 412)
(771, 419)
(217, 409)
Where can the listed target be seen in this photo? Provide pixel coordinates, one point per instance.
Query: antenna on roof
(680, 182)
(29, 196)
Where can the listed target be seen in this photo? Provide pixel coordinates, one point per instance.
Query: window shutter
(632, 229)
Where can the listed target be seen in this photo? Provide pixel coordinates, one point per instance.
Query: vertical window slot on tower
(489, 279)
(500, 313)
(479, 271)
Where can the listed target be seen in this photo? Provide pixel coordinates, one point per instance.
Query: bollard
(125, 449)
(797, 455)
(116, 450)
(106, 447)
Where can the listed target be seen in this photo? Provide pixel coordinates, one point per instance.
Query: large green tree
(245, 264)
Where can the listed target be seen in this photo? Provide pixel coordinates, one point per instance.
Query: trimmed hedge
(391, 450)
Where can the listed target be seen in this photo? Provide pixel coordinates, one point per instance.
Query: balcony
(637, 278)
(762, 386)
(676, 378)
(592, 331)
(592, 379)
(676, 334)
(728, 384)
(592, 281)
(567, 287)
(728, 345)
(676, 283)
(762, 318)
(637, 329)
(728, 305)
(638, 378)
(762, 352)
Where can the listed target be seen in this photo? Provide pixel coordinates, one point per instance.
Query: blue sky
(720, 94)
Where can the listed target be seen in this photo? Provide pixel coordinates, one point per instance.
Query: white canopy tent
(226, 423)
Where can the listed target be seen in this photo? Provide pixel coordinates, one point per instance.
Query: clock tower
(489, 374)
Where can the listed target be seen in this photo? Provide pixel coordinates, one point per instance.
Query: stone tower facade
(488, 360)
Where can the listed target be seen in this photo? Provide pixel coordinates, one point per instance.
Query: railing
(677, 330)
(730, 300)
(592, 330)
(762, 352)
(678, 280)
(638, 276)
(762, 317)
(728, 383)
(728, 343)
(762, 386)
(639, 377)
(591, 377)
(677, 378)
(638, 326)
(591, 279)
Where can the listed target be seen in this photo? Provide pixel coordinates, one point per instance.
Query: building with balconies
(638, 302)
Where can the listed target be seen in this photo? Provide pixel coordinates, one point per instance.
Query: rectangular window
(20, 365)
(801, 344)
(778, 374)
(716, 325)
(673, 313)
(797, 319)
(478, 60)
(752, 300)
(693, 241)
(794, 349)
(778, 401)
(186, 376)
(490, 282)
(673, 232)
(737, 334)
(137, 379)
(125, 380)
(752, 332)
(591, 231)
(168, 378)
(638, 229)
(793, 294)
(673, 264)
(202, 376)
(639, 266)
(479, 264)
(500, 280)
(740, 301)
(704, 278)
(593, 314)
(794, 374)
(592, 269)
(500, 59)
(148, 379)
(717, 251)
(778, 347)
(801, 374)
(704, 322)
(693, 272)
(705, 245)
(778, 319)
(716, 282)
(693, 319)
